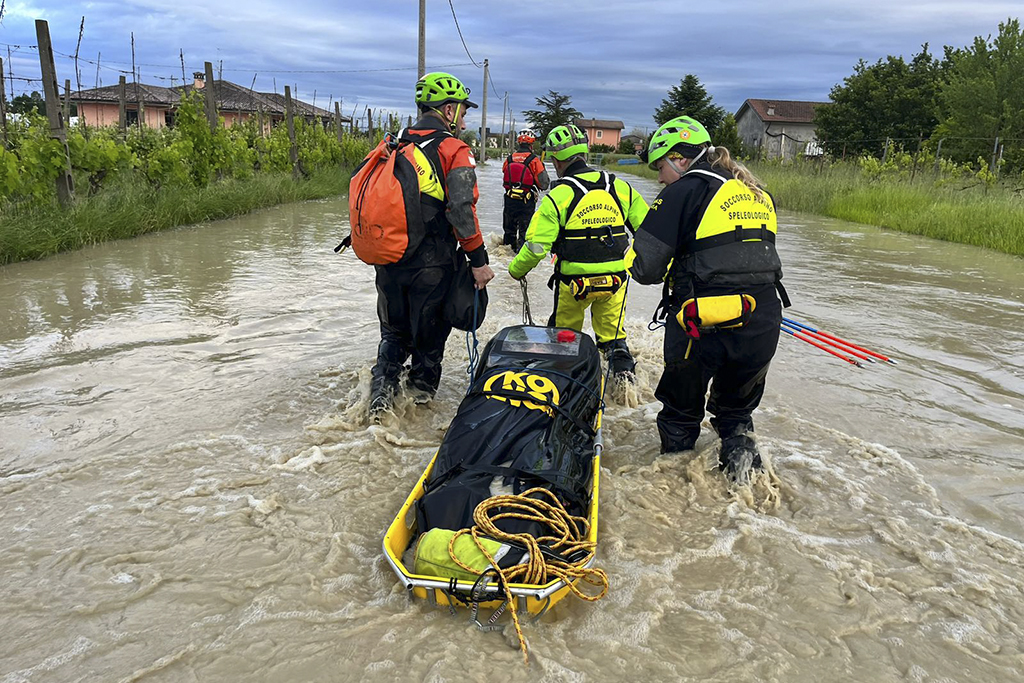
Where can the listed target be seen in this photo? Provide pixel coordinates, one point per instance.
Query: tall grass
(132, 207)
(955, 212)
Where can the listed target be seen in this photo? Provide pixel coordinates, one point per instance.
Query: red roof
(781, 111)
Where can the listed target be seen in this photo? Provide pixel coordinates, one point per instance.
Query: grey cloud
(617, 61)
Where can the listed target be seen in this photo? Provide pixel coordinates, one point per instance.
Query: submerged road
(190, 491)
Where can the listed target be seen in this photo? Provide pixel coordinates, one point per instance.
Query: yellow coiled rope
(568, 534)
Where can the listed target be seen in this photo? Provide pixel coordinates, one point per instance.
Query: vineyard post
(210, 98)
(293, 149)
(122, 106)
(3, 106)
(369, 121)
(65, 183)
(916, 155)
(67, 101)
(337, 120)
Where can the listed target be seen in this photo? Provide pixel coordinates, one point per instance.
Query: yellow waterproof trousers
(607, 313)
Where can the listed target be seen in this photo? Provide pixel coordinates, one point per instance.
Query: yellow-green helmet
(680, 131)
(566, 141)
(438, 88)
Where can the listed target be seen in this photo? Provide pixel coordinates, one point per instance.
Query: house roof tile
(230, 97)
(599, 123)
(781, 111)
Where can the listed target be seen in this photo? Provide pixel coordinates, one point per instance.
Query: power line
(495, 89)
(270, 71)
(466, 47)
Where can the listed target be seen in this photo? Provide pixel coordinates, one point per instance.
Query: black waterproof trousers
(734, 361)
(410, 304)
(515, 220)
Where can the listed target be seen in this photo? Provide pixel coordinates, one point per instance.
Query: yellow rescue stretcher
(486, 593)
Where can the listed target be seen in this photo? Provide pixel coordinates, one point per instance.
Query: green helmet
(566, 141)
(682, 130)
(438, 88)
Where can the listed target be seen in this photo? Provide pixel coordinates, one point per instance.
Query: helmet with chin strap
(438, 88)
(682, 134)
(566, 141)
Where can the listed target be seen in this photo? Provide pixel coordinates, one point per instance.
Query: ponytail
(720, 156)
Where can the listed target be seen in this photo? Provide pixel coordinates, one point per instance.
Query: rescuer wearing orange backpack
(412, 203)
(523, 175)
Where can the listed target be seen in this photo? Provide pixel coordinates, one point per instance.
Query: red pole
(839, 345)
(823, 348)
(808, 328)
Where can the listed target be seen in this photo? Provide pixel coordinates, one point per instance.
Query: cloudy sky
(616, 59)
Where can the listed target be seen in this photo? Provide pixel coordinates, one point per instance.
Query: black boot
(620, 360)
(421, 392)
(382, 396)
(738, 458)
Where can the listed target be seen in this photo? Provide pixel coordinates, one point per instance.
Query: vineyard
(159, 168)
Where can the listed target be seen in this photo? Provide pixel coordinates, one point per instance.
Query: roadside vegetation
(933, 147)
(961, 203)
(156, 179)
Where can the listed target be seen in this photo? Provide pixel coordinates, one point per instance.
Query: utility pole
(423, 39)
(65, 183)
(504, 108)
(483, 119)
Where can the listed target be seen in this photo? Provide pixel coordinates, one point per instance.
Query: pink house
(236, 104)
(601, 131)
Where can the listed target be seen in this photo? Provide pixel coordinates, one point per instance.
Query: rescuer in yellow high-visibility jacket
(583, 220)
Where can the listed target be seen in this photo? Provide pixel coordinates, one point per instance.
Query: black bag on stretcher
(528, 420)
(531, 421)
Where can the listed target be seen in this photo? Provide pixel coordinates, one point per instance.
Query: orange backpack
(388, 213)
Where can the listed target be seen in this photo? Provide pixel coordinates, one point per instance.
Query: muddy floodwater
(190, 491)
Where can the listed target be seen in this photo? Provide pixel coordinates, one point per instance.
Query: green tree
(728, 136)
(984, 97)
(890, 98)
(555, 110)
(24, 104)
(689, 98)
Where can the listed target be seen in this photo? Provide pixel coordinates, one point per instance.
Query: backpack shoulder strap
(706, 174)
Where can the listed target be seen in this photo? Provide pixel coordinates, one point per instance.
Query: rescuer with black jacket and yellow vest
(411, 292)
(583, 221)
(710, 236)
(523, 176)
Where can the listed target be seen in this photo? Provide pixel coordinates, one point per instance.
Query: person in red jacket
(523, 176)
(411, 295)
